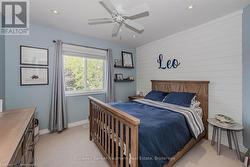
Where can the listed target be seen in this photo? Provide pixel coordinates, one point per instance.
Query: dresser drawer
(17, 158)
(29, 135)
(24, 154)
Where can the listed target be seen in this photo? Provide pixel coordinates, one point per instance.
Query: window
(84, 69)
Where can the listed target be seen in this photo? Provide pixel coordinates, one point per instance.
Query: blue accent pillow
(156, 95)
(179, 98)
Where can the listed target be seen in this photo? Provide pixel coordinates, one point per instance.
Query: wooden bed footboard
(114, 132)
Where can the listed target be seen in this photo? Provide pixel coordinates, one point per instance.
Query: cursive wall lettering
(170, 63)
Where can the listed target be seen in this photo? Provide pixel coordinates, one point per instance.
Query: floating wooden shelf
(123, 67)
(124, 80)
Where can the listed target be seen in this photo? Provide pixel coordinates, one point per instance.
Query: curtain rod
(54, 41)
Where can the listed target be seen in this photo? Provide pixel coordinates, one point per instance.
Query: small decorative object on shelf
(129, 78)
(247, 159)
(118, 77)
(118, 63)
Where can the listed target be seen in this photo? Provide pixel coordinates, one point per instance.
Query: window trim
(84, 93)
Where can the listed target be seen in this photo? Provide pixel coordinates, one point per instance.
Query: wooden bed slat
(121, 144)
(134, 147)
(113, 144)
(104, 127)
(127, 146)
(108, 126)
(116, 143)
(103, 130)
(99, 126)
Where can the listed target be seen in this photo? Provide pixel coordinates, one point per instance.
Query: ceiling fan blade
(132, 24)
(107, 4)
(99, 22)
(139, 11)
(100, 19)
(116, 29)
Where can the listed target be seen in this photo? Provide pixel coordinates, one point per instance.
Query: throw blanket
(162, 132)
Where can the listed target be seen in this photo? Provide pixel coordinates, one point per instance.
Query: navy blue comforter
(162, 133)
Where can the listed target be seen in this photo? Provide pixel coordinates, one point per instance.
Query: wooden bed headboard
(198, 87)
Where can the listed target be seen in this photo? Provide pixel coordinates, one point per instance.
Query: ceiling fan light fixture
(119, 19)
(190, 7)
(56, 12)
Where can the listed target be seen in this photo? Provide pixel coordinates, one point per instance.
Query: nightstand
(231, 133)
(135, 97)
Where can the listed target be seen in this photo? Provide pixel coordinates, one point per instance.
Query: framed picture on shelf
(34, 56)
(34, 76)
(119, 77)
(116, 61)
(127, 59)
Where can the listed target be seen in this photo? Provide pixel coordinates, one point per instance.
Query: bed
(124, 132)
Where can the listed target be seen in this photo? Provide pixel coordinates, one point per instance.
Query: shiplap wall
(212, 51)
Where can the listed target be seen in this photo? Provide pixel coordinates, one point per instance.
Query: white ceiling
(166, 16)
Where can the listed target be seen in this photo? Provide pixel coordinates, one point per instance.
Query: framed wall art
(127, 59)
(34, 56)
(34, 76)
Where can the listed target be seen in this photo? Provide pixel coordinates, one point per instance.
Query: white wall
(212, 52)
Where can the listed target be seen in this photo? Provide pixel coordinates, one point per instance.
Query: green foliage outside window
(95, 74)
(83, 74)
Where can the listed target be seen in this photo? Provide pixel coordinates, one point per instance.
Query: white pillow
(195, 106)
(193, 100)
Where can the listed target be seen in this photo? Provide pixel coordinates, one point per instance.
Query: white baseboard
(79, 123)
(43, 131)
(243, 149)
(70, 125)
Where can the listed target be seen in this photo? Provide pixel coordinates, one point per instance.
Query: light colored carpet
(72, 148)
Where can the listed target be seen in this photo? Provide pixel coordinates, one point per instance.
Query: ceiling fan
(122, 17)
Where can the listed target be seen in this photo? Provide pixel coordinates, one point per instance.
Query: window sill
(84, 93)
